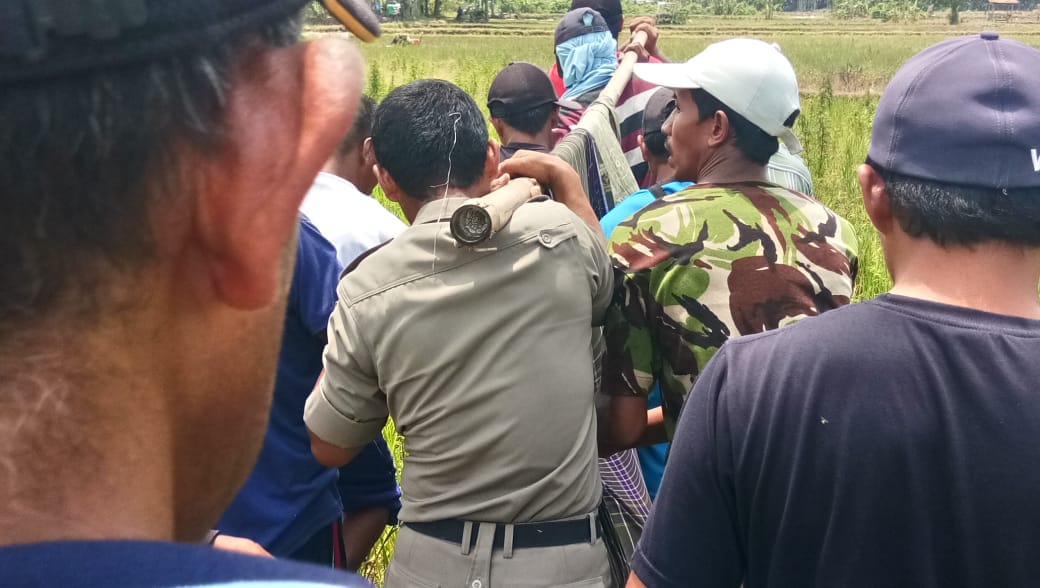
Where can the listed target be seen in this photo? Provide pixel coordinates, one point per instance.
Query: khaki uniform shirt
(482, 357)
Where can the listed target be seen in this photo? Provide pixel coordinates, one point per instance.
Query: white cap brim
(790, 141)
(666, 75)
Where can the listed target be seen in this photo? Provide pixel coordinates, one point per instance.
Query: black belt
(525, 535)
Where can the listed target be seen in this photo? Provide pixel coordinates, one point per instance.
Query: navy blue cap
(610, 10)
(658, 108)
(965, 111)
(578, 22)
(521, 87)
(46, 38)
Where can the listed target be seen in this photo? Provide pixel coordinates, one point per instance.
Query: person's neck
(346, 168)
(411, 206)
(728, 167)
(543, 137)
(480, 188)
(662, 173)
(991, 277)
(83, 459)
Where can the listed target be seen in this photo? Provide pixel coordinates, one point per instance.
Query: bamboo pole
(623, 74)
(480, 218)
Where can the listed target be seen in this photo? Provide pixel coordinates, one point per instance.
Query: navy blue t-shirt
(289, 496)
(894, 442)
(102, 564)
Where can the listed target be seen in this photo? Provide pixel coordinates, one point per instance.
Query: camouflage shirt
(715, 261)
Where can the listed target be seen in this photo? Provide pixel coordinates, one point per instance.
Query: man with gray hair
(892, 442)
(154, 157)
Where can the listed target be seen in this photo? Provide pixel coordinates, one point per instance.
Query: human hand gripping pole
(473, 224)
(623, 74)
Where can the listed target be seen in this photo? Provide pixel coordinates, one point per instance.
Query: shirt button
(476, 584)
(547, 239)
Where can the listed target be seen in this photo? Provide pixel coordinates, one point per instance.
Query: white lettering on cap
(1036, 160)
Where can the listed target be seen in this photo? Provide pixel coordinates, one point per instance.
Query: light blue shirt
(634, 203)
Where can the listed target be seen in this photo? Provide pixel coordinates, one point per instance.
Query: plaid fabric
(599, 123)
(626, 497)
(579, 151)
(626, 501)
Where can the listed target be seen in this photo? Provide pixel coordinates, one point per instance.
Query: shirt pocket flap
(553, 236)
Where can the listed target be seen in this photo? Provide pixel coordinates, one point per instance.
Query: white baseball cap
(751, 77)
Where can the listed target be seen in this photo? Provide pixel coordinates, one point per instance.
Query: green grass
(843, 67)
(835, 132)
(855, 56)
(375, 567)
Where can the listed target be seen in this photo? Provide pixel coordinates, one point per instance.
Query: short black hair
(87, 158)
(423, 129)
(756, 145)
(361, 129)
(951, 214)
(530, 121)
(656, 143)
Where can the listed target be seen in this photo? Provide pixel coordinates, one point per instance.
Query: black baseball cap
(965, 111)
(610, 10)
(46, 38)
(578, 22)
(657, 110)
(520, 87)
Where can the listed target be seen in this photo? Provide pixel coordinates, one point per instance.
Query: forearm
(569, 192)
(330, 455)
(625, 425)
(549, 170)
(634, 581)
(361, 530)
(654, 432)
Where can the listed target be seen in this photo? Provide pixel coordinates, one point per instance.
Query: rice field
(843, 66)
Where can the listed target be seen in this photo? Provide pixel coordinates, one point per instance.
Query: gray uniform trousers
(421, 561)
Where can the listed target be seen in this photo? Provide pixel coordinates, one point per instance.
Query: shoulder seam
(357, 260)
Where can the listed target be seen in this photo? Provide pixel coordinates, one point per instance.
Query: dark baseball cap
(46, 38)
(610, 10)
(521, 87)
(578, 22)
(965, 111)
(657, 110)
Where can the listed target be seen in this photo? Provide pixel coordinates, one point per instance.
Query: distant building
(1000, 9)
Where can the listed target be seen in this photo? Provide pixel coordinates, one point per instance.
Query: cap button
(990, 35)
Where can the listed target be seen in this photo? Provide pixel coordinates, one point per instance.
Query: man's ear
(494, 157)
(390, 188)
(366, 167)
(720, 129)
(287, 109)
(496, 123)
(875, 199)
(555, 121)
(368, 153)
(642, 148)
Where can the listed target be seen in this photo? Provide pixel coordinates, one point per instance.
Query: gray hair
(85, 158)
